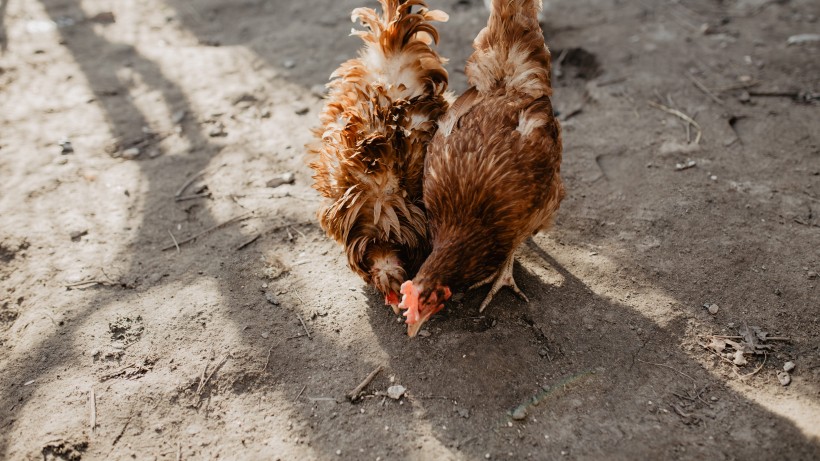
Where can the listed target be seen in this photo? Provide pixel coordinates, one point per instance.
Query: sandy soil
(114, 345)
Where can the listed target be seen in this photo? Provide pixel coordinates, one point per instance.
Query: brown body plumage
(492, 174)
(380, 115)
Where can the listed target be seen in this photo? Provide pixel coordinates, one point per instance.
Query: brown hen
(380, 115)
(492, 173)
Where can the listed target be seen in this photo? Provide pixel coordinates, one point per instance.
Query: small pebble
(487, 456)
(338, 452)
(131, 154)
(424, 333)
(519, 414)
(178, 117)
(66, 147)
(396, 392)
(464, 413)
(302, 110)
(319, 91)
(714, 399)
(811, 275)
(285, 178)
(788, 367)
(271, 298)
(784, 378)
(713, 309)
(289, 64)
(218, 131)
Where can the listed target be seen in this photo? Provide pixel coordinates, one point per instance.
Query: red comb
(410, 301)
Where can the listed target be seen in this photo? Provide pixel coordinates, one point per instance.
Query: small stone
(285, 178)
(154, 278)
(78, 234)
(487, 456)
(778, 291)
(713, 309)
(338, 452)
(543, 352)
(302, 110)
(713, 399)
(131, 154)
(745, 97)
(320, 91)
(784, 378)
(67, 147)
(396, 392)
(464, 413)
(271, 298)
(218, 131)
(424, 334)
(519, 414)
(811, 275)
(178, 117)
(686, 165)
(289, 63)
(788, 367)
(265, 335)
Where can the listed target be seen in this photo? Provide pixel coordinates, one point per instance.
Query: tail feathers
(397, 52)
(510, 52)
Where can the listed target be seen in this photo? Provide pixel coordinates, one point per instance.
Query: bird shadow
(536, 376)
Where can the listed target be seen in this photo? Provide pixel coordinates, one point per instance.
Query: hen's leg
(503, 278)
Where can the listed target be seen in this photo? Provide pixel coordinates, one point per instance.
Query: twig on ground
(267, 360)
(194, 178)
(775, 94)
(186, 198)
(738, 86)
(176, 244)
(272, 229)
(300, 393)
(679, 411)
(87, 284)
(666, 366)
(92, 397)
(299, 232)
(749, 375)
(209, 230)
(690, 398)
(304, 326)
(768, 338)
(611, 81)
(179, 451)
(705, 90)
(202, 384)
(294, 337)
(681, 116)
(125, 426)
(248, 242)
(355, 392)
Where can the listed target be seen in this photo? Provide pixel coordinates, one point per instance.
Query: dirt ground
(116, 345)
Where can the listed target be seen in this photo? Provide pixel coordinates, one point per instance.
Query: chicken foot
(502, 278)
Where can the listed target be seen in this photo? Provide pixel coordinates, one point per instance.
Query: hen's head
(421, 301)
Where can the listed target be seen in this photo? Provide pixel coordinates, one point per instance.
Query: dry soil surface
(242, 343)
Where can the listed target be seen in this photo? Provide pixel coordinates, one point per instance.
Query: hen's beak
(414, 328)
